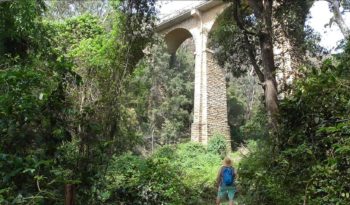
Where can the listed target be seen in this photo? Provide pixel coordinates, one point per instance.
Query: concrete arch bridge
(210, 103)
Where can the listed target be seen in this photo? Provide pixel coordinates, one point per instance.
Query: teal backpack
(228, 176)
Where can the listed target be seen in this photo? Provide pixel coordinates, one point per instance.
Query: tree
(243, 100)
(62, 107)
(257, 27)
(105, 57)
(262, 11)
(314, 140)
(337, 15)
(32, 104)
(61, 10)
(162, 91)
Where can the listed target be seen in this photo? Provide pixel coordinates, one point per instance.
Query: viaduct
(210, 103)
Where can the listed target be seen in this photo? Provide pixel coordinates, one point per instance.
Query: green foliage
(259, 182)
(231, 53)
(199, 168)
(172, 175)
(165, 83)
(62, 113)
(61, 10)
(69, 33)
(20, 27)
(256, 128)
(74, 99)
(134, 180)
(218, 145)
(236, 115)
(291, 17)
(309, 162)
(30, 131)
(32, 104)
(244, 110)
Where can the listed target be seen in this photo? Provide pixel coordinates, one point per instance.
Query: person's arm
(218, 178)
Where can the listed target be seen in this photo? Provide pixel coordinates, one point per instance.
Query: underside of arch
(175, 38)
(220, 16)
(210, 100)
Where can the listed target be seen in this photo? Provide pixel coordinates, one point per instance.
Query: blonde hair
(227, 161)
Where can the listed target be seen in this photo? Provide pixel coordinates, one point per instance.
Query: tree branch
(257, 6)
(335, 7)
(250, 47)
(238, 17)
(251, 54)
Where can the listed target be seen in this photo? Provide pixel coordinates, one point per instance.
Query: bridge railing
(177, 12)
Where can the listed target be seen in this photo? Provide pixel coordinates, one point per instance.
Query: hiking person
(225, 181)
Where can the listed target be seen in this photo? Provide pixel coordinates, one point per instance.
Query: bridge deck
(186, 14)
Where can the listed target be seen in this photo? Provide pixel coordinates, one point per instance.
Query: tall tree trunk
(268, 63)
(69, 194)
(263, 12)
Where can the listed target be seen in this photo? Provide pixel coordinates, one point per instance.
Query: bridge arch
(175, 38)
(210, 100)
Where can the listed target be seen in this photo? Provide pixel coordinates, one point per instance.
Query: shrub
(199, 168)
(135, 180)
(218, 145)
(182, 174)
(309, 162)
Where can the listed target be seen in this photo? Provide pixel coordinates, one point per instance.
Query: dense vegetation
(306, 159)
(311, 156)
(93, 110)
(63, 111)
(165, 83)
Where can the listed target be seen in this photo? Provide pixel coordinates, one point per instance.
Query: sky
(172, 6)
(319, 17)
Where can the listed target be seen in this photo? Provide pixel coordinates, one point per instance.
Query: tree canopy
(93, 110)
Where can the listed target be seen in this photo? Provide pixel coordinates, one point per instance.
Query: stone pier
(210, 103)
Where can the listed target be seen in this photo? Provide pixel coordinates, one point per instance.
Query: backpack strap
(221, 170)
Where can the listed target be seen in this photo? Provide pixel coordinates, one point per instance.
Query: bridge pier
(210, 101)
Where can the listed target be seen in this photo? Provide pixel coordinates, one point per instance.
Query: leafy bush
(51, 94)
(309, 163)
(258, 181)
(183, 174)
(218, 145)
(200, 168)
(135, 180)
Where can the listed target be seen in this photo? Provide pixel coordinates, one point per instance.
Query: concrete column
(196, 128)
(210, 102)
(199, 129)
(217, 98)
